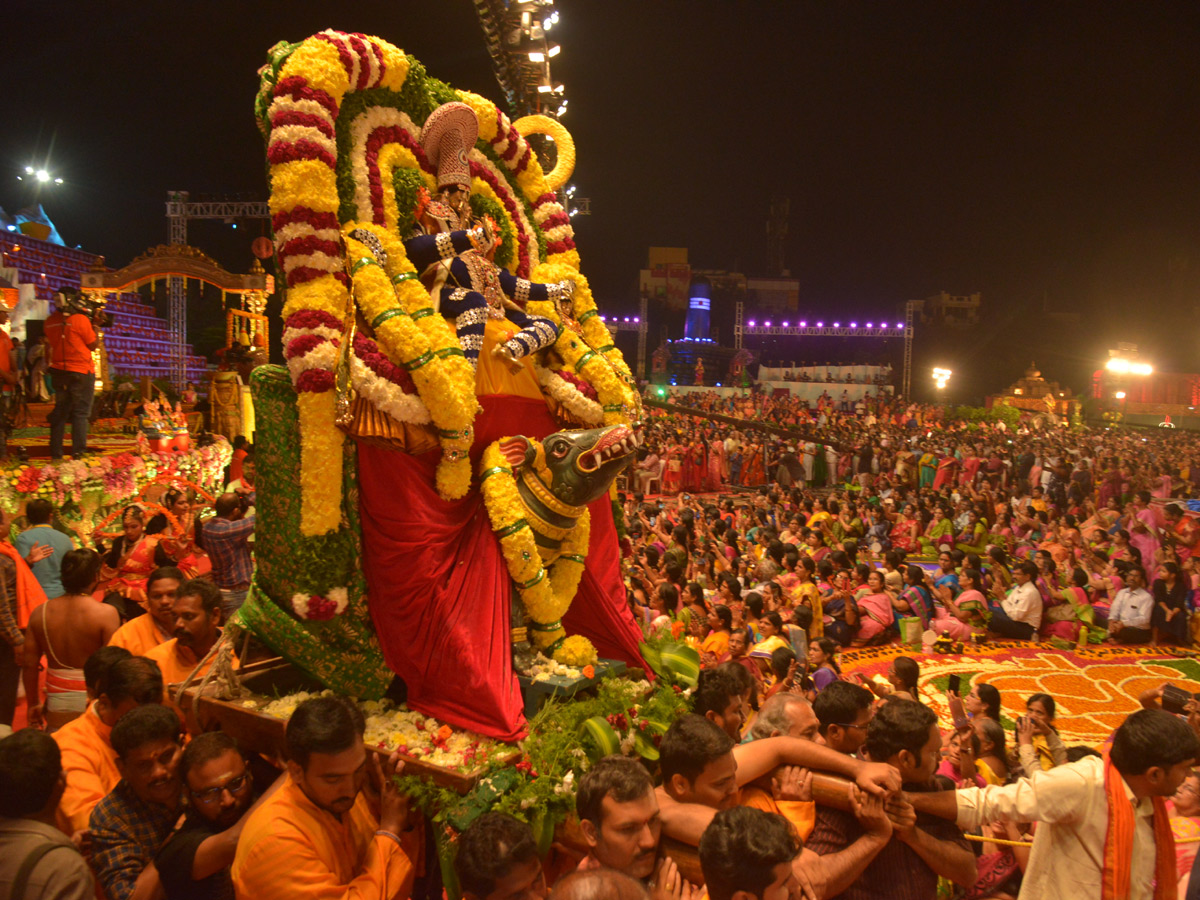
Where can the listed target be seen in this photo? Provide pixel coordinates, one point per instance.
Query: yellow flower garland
(545, 594)
(406, 345)
(601, 364)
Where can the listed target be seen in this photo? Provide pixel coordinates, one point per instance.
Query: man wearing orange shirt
(141, 635)
(197, 616)
(88, 759)
(71, 339)
(317, 836)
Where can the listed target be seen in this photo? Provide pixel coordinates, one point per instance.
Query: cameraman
(71, 339)
(226, 539)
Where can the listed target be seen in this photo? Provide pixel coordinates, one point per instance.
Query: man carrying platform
(317, 835)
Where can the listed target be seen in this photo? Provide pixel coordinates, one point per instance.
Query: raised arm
(760, 757)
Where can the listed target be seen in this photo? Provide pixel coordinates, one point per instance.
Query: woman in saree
(837, 604)
(973, 537)
(718, 469)
(962, 616)
(1169, 619)
(753, 471)
(179, 539)
(672, 480)
(915, 599)
(817, 548)
(1121, 550)
(904, 530)
(928, 465)
(876, 615)
(947, 468)
(939, 532)
(132, 557)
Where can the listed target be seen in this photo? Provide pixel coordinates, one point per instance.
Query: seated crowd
(788, 778)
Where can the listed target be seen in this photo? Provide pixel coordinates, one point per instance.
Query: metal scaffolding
(180, 208)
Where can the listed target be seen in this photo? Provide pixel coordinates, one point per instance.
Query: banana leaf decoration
(673, 661)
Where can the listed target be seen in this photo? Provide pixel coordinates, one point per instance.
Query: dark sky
(1047, 155)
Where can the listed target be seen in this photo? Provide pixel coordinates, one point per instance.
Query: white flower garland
(387, 397)
(572, 399)
(323, 356)
(321, 261)
(330, 334)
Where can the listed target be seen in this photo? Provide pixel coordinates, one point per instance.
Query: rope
(978, 838)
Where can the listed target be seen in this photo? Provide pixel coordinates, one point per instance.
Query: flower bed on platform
(396, 727)
(1094, 689)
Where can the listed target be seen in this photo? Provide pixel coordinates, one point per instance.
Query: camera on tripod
(72, 302)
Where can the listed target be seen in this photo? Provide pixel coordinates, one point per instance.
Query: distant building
(949, 309)
(773, 294)
(666, 277)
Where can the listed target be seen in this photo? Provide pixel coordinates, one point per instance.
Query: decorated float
(434, 510)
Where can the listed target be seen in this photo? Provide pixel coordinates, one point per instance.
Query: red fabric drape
(439, 590)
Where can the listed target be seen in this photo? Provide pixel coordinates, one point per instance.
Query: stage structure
(640, 324)
(180, 209)
(833, 328)
(177, 264)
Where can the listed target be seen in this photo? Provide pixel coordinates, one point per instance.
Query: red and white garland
(315, 608)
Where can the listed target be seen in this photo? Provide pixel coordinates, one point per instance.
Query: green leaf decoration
(645, 747)
(683, 663)
(602, 735)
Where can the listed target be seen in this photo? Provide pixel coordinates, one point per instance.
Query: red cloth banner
(439, 591)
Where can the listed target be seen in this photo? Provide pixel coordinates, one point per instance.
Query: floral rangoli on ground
(1095, 689)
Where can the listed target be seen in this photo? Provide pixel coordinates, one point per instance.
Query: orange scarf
(29, 590)
(1118, 844)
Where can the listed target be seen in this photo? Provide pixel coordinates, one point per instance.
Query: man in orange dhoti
(318, 835)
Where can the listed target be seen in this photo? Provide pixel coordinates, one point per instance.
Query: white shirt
(1068, 847)
(1024, 604)
(1132, 608)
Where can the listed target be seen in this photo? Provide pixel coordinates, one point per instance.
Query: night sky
(1047, 155)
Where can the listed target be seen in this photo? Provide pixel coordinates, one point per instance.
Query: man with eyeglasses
(844, 711)
(194, 863)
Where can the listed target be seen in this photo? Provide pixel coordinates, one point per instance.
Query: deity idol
(436, 315)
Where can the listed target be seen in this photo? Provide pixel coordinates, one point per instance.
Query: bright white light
(767, 323)
(785, 324)
(1120, 395)
(562, 111)
(898, 325)
(554, 51)
(58, 181)
(1122, 366)
(870, 325)
(837, 324)
(42, 175)
(29, 170)
(536, 56)
(820, 324)
(751, 323)
(570, 190)
(853, 324)
(803, 324)
(12, 227)
(544, 89)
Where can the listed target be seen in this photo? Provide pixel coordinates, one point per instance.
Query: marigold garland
(400, 337)
(545, 593)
